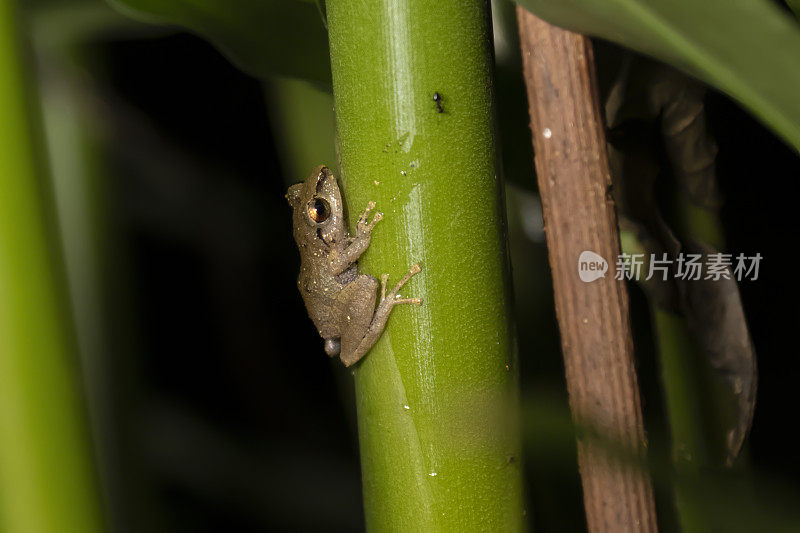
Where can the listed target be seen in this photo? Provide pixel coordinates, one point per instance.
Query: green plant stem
(302, 121)
(437, 395)
(47, 481)
(692, 414)
(696, 445)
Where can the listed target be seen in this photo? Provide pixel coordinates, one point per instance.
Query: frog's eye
(319, 210)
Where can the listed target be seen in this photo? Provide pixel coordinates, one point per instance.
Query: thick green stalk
(686, 397)
(301, 115)
(437, 395)
(47, 481)
(692, 414)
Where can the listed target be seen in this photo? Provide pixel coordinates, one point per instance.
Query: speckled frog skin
(340, 301)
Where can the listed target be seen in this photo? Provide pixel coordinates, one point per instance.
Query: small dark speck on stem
(438, 99)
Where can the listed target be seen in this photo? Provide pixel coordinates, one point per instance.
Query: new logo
(591, 266)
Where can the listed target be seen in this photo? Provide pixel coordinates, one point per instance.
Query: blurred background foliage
(212, 406)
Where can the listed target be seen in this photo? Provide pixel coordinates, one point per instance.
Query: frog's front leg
(361, 328)
(358, 244)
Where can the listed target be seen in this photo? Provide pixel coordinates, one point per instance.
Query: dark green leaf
(654, 109)
(794, 5)
(746, 48)
(322, 11)
(263, 37)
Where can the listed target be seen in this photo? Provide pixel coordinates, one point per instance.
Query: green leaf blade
(748, 49)
(261, 37)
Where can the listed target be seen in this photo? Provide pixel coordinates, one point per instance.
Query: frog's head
(318, 210)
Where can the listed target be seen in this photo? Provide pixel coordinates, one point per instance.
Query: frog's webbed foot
(358, 244)
(362, 226)
(352, 352)
(393, 296)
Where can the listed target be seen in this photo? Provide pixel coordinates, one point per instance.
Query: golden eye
(319, 210)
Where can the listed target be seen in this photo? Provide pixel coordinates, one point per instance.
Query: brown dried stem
(575, 185)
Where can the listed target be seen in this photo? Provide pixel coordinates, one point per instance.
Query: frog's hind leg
(355, 306)
(357, 343)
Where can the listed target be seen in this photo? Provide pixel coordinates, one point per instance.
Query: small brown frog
(340, 301)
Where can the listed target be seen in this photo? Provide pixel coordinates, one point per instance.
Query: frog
(339, 299)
